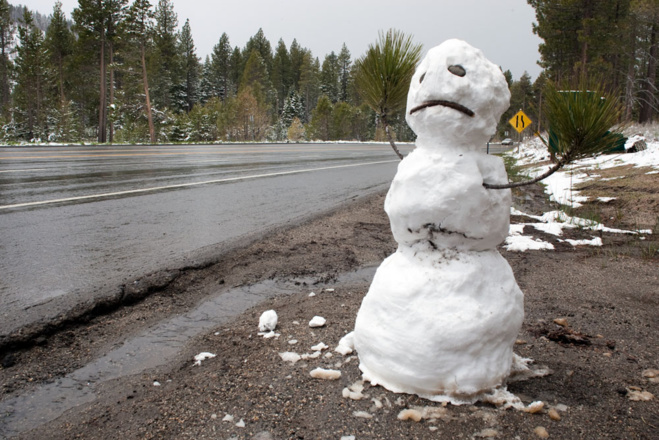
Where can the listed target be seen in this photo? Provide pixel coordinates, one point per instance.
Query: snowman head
(456, 97)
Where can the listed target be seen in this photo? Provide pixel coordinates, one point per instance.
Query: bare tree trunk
(390, 138)
(645, 114)
(149, 116)
(631, 73)
(111, 127)
(102, 108)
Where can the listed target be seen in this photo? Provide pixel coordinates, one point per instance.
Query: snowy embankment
(559, 186)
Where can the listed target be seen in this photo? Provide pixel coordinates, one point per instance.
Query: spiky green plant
(580, 119)
(384, 73)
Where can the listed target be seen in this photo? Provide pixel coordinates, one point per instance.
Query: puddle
(156, 346)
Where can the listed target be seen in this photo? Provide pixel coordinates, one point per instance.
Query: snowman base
(440, 323)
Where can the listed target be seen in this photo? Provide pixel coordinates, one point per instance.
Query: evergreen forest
(118, 71)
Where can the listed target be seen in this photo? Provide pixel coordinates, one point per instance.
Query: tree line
(127, 72)
(614, 42)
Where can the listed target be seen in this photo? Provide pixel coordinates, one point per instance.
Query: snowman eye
(422, 77)
(457, 70)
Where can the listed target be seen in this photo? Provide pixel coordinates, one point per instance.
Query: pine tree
(167, 61)
(30, 97)
(321, 119)
(59, 43)
(344, 63)
(6, 43)
(97, 21)
(140, 29)
(191, 66)
(255, 76)
(329, 77)
(221, 77)
(383, 76)
(281, 73)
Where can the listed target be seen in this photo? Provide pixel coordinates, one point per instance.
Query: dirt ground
(601, 357)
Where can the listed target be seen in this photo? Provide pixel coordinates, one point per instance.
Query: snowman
(443, 312)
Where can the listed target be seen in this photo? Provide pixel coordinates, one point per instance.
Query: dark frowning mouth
(450, 104)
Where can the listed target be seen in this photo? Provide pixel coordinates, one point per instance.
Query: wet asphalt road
(78, 222)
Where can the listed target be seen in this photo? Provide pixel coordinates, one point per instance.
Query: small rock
(561, 321)
(639, 396)
(607, 354)
(487, 433)
(240, 424)
(541, 432)
(265, 435)
(156, 383)
(561, 407)
(650, 374)
(312, 294)
(348, 437)
(520, 342)
(292, 341)
(228, 418)
(554, 415)
(8, 361)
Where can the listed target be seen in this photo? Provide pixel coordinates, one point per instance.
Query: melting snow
(202, 357)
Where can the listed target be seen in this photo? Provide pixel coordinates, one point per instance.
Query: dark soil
(607, 296)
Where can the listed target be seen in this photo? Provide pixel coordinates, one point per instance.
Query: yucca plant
(580, 119)
(384, 73)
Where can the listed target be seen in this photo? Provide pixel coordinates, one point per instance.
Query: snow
(554, 222)
(317, 321)
(319, 347)
(346, 344)
(559, 185)
(268, 321)
(325, 374)
(523, 243)
(443, 312)
(290, 356)
(202, 357)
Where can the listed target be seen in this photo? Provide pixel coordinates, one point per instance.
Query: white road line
(184, 185)
(24, 171)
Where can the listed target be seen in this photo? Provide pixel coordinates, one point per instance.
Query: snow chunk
(605, 199)
(521, 243)
(596, 241)
(319, 347)
(346, 344)
(202, 357)
(269, 335)
(362, 414)
(410, 414)
(314, 355)
(317, 321)
(289, 356)
(348, 437)
(228, 418)
(312, 294)
(321, 373)
(268, 321)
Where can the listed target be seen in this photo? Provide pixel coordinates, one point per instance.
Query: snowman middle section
(443, 312)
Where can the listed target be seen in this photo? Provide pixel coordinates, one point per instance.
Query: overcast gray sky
(501, 28)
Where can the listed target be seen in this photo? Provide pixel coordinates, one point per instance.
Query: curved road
(78, 222)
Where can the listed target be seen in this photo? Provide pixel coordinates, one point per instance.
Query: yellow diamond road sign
(520, 121)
